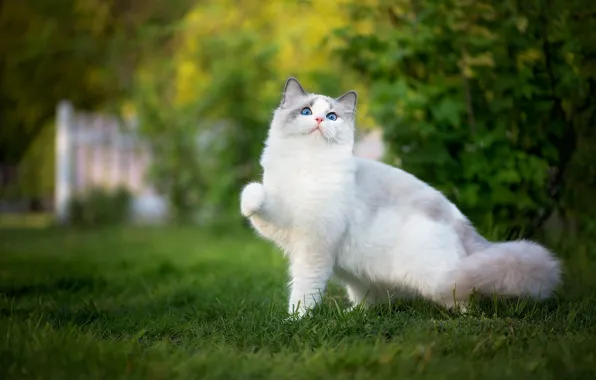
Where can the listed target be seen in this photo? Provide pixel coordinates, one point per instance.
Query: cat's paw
(252, 198)
(295, 315)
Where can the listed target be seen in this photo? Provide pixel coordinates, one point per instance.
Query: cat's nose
(319, 119)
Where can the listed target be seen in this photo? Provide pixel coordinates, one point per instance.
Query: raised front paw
(252, 198)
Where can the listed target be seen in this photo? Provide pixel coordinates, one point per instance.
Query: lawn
(182, 303)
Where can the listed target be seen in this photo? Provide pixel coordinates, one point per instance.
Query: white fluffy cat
(381, 231)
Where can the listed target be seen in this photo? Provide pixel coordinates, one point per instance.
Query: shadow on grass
(68, 284)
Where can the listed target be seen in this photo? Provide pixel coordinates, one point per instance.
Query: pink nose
(319, 119)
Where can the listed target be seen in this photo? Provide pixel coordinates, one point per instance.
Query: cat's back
(380, 185)
(380, 179)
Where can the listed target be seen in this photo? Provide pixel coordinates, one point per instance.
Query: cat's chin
(320, 138)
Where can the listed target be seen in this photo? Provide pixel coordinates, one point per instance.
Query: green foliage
(36, 169)
(183, 303)
(175, 169)
(100, 207)
(483, 100)
(493, 103)
(204, 150)
(85, 51)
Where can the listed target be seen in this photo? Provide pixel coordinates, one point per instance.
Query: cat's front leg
(252, 199)
(310, 273)
(259, 207)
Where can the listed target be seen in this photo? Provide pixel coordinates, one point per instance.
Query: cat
(381, 231)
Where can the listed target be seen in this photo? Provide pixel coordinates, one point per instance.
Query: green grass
(166, 303)
(26, 220)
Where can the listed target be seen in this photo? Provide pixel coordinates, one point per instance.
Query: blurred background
(153, 111)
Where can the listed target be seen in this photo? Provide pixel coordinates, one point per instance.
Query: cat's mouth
(329, 137)
(317, 128)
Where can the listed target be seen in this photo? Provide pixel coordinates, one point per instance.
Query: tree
(86, 51)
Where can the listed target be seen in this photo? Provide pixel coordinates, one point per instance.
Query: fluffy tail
(510, 269)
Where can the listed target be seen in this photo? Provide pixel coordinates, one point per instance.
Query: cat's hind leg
(450, 300)
(358, 295)
(361, 295)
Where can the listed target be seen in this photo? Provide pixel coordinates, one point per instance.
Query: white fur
(381, 231)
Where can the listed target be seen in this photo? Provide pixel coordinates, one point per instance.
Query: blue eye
(331, 116)
(306, 111)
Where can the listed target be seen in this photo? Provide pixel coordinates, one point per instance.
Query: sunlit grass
(165, 303)
(26, 220)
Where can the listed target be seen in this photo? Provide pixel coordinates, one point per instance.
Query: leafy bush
(100, 207)
(484, 100)
(206, 147)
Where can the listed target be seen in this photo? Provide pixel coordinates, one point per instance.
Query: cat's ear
(292, 89)
(349, 100)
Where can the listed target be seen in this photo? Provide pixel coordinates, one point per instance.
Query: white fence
(92, 150)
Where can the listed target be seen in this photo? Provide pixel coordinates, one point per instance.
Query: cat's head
(302, 115)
